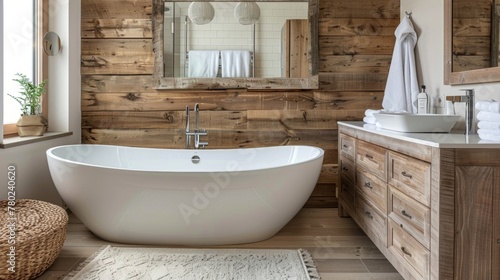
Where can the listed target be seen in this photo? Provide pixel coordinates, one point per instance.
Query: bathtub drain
(195, 159)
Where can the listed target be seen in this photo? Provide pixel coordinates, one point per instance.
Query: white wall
(33, 178)
(428, 20)
(1, 69)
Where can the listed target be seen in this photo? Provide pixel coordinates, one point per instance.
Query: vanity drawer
(347, 191)
(347, 169)
(372, 219)
(410, 215)
(347, 147)
(372, 189)
(373, 158)
(408, 250)
(411, 176)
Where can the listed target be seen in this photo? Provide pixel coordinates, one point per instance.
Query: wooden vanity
(430, 202)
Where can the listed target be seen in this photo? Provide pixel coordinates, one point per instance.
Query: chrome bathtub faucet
(197, 132)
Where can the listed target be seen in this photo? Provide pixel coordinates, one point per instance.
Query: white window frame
(40, 62)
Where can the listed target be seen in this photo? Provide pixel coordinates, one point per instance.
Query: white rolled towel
(488, 116)
(370, 120)
(488, 106)
(369, 112)
(489, 125)
(488, 136)
(488, 131)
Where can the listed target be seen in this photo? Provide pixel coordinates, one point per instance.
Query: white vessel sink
(405, 122)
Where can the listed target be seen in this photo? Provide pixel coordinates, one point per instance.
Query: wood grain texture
(473, 222)
(219, 139)
(372, 9)
(295, 36)
(442, 213)
(496, 223)
(329, 63)
(373, 158)
(371, 189)
(411, 176)
(116, 56)
(347, 147)
(463, 63)
(421, 152)
(347, 189)
(410, 215)
(139, 9)
(456, 235)
(116, 28)
(471, 35)
(408, 251)
(358, 81)
(371, 219)
(357, 26)
(472, 9)
(356, 45)
(481, 157)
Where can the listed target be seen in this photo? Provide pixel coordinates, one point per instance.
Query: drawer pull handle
(345, 168)
(345, 146)
(405, 252)
(369, 156)
(406, 214)
(369, 214)
(368, 185)
(406, 174)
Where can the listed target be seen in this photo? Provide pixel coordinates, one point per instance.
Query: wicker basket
(40, 231)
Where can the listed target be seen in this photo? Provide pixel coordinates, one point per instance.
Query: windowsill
(19, 141)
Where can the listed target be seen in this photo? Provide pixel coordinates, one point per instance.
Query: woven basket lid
(32, 218)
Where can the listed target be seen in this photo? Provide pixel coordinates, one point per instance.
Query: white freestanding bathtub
(165, 196)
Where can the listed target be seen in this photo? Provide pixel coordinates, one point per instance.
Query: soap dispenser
(423, 102)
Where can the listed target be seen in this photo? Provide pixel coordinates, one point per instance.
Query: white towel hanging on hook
(402, 87)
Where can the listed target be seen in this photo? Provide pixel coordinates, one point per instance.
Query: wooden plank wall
(120, 107)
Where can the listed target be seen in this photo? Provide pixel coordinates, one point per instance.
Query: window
(23, 27)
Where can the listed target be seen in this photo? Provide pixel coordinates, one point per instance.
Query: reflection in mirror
(247, 50)
(216, 50)
(471, 41)
(475, 34)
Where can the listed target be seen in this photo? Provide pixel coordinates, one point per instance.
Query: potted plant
(31, 123)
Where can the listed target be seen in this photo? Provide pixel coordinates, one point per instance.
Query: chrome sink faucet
(197, 132)
(468, 99)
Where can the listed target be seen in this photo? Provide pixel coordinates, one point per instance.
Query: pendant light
(247, 13)
(201, 12)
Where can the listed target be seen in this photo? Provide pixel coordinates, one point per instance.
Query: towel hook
(408, 14)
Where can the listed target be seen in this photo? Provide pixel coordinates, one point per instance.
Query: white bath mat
(179, 264)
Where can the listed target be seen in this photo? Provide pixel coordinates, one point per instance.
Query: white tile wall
(225, 33)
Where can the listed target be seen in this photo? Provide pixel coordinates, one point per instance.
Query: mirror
(471, 42)
(174, 53)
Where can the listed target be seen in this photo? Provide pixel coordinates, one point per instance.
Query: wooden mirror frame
(311, 82)
(486, 75)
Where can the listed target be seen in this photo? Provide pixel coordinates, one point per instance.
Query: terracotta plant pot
(31, 125)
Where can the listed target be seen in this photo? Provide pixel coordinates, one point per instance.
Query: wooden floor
(340, 249)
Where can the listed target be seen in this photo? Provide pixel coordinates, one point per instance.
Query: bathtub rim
(51, 155)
